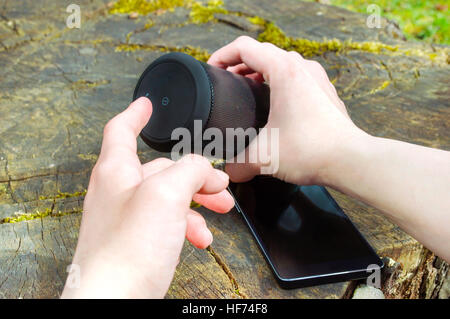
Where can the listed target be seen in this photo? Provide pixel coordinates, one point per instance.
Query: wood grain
(59, 86)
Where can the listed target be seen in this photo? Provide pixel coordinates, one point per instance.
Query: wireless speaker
(183, 89)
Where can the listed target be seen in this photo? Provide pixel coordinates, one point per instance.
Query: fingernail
(144, 98)
(222, 175)
(209, 235)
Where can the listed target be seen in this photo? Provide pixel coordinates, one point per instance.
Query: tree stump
(59, 87)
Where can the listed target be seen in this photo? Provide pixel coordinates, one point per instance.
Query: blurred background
(419, 20)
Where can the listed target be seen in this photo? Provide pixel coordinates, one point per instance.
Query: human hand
(136, 216)
(313, 122)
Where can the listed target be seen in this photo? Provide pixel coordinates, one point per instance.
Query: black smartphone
(304, 235)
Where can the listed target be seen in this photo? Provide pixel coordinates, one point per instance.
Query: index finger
(188, 176)
(256, 55)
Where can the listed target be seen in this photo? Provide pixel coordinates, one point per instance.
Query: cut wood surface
(59, 87)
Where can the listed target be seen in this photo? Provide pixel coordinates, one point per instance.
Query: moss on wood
(198, 53)
(35, 215)
(203, 14)
(144, 7)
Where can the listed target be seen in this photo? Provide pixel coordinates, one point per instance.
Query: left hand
(136, 216)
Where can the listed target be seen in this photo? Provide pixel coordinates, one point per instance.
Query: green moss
(129, 35)
(47, 212)
(64, 195)
(438, 55)
(88, 157)
(87, 84)
(149, 24)
(37, 214)
(24, 217)
(217, 163)
(3, 188)
(203, 14)
(423, 20)
(273, 34)
(198, 53)
(308, 48)
(257, 20)
(144, 7)
(383, 85)
(194, 204)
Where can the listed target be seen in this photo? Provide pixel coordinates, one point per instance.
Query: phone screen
(301, 230)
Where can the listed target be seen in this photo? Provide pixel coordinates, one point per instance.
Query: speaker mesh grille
(233, 102)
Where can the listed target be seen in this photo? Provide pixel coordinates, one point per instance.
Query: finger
(119, 137)
(241, 69)
(156, 166)
(256, 55)
(256, 77)
(196, 231)
(244, 70)
(188, 176)
(318, 72)
(221, 202)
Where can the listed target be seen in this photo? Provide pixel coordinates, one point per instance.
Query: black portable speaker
(183, 89)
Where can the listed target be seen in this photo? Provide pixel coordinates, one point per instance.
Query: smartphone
(304, 235)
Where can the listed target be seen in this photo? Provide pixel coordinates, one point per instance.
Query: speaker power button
(165, 101)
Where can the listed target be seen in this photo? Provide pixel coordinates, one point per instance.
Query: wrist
(346, 164)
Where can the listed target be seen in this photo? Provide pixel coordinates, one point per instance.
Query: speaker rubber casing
(183, 89)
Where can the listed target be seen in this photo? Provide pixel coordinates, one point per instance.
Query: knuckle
(295, 55)
(268, 45)
(276, 51)
(194, 159)
(162, 160)
(125, 171)
(198, 221)
(113, 170)
(110, 126)
(165, 192)
(290, 69)
(243, 39)
(102, 170)
(290, 73)
(316, 66)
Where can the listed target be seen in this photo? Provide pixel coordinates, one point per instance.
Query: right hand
(319, 144)
(312, 120)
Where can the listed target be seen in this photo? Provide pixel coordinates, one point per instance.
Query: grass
(418, 19)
